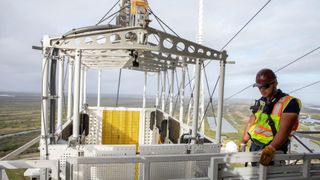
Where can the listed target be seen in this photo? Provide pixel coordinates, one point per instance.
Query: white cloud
(282, 32)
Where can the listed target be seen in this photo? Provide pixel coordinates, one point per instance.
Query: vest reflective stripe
(279, 106)
(263, 133)
(261, 130)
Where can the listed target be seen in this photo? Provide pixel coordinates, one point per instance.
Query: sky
(282, 32)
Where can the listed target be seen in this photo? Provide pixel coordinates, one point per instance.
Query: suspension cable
(299, 58)
(311, 84)
(210, 102)
(119, 80)
(111, 15)
(163, 22)
(290, 63)
(100, 21)
(245, 25)
(223, 47)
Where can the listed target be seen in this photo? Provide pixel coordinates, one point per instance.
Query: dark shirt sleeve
(292, 107)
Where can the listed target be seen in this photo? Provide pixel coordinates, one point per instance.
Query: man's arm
(287, 122)
(245, 135)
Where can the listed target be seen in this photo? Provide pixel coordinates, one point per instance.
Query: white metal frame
(18, 164)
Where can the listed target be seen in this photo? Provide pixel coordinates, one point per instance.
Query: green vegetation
(208, 131)
(13, 142)
(315, 116)
(22, 112)
(16, 174)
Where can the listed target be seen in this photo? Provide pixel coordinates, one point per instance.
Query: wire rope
(102, 19)
(308, 85)
(283, 67)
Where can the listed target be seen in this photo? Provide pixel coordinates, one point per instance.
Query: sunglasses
(264, 85)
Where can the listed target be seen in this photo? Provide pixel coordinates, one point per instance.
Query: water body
(226, 126)
(315, 108)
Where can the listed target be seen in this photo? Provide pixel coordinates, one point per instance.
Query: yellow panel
(120, 127)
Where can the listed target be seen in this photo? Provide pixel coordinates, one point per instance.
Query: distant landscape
(20, 119)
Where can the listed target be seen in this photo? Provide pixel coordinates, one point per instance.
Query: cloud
(282, 32)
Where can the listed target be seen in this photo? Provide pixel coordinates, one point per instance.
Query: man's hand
(267, 155)
(241, 147)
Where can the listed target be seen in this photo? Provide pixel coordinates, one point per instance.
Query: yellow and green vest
(261, 130)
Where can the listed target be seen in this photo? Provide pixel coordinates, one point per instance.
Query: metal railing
(220, 165)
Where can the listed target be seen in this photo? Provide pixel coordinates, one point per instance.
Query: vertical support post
(77, 79)
(183, 79)
(171, 93)
(81, 87)
(200, 41)
(44, 105)
(196, 101)
(146, 170)
(53, 71)
(262, 172)
(70, 76)
(220, 98)
(99, 89)
(163, 100)
(60, 94)
(84, 85)
(158, 89)
(306, 168)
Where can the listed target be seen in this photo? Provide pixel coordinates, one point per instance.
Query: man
(275, 116)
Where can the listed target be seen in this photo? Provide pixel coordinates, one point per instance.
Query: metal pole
(196, 102)
(220, 98)
(171, 93)
(183, 79)
(158, 90)
(44, 105)
(81, 87)
(200, 41)
(84, 85)
(76, 114)
(99, 89)
(163, 101)
(60, 94)
(53, 70)
(70, 76)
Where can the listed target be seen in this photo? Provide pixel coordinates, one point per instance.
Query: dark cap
(265, 76)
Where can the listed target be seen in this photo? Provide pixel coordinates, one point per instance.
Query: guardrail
(220, 165)
(18, 164)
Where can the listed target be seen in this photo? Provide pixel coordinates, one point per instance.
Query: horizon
(138, 96)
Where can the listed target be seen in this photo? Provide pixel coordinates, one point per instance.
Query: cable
(101, 20)
(163, 22)
(119, 80)
(301, 57)
(111, 15)
(245, 25)
(223, 47)
(311, 84)
(239, 92)
(297, 59)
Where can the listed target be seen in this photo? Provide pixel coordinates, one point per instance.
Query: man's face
(266, 89)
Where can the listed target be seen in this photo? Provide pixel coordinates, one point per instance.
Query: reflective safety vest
(261, 130)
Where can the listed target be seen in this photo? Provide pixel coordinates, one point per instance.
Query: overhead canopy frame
(115, 47)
